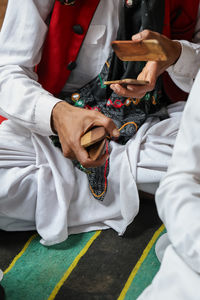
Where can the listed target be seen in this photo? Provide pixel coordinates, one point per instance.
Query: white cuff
(43, 110)
(184, 71)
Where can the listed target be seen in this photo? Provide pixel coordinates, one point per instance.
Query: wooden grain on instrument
(126, 81)
(147, 50)
(93, 136)
(96, 150)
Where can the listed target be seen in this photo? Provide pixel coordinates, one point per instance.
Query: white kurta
(178, 205)
(177, 200)
(39, 187)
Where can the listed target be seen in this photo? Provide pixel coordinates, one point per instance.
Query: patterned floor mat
(93, 266)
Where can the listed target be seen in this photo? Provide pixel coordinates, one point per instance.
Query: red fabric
(179, 24)
(2, 119)
(62, 44)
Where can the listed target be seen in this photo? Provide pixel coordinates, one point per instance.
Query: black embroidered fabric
(128, 114)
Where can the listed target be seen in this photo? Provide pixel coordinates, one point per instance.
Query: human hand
(71, 123)
(152, 69)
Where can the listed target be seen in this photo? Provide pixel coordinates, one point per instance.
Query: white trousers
(40, 189)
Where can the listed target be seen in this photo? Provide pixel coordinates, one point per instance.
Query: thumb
(138, 37)
(143, 35)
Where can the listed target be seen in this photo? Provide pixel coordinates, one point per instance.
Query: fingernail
(116, 133)
(114, 89)
(130, 88)
(136, 37)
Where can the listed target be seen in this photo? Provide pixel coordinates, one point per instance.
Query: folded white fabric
(1, 274)
(161, 245)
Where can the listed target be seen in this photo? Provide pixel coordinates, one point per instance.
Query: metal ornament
(129, 3)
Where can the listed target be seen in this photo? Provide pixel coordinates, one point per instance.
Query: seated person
(177, 200)
(52, 68)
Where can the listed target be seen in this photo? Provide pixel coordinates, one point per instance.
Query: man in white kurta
(177, 200)
(40, 188)
(178, 205)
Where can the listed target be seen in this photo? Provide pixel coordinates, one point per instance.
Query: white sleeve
(184, 71)
(21, 39)
(178, 197)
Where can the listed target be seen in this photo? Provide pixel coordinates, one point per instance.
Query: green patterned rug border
(44, 271)
(144, 271)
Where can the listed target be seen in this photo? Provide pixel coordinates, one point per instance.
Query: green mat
(144, 272)
(36, 271)
(97, 265)
(39, 272)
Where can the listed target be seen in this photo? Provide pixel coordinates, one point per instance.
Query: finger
(131, 91)
(66, 149)
(82, 156)
(119, 89)
(144, 35)
(67, 152)
(89, 163)
(137, 37)
(100, 119)
(109, 125)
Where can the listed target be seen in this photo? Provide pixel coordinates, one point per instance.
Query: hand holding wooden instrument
(94, 141)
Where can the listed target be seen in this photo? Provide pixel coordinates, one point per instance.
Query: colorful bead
(75, 97)
(147, 96)
(129, 3)
(79, 103)
(128, 101)
(136, 101)
(109, 102)
(153, 100)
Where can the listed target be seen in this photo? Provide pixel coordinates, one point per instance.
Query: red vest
(67, 30)
(64, 39)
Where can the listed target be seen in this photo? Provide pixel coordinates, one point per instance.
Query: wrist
(56, 112)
